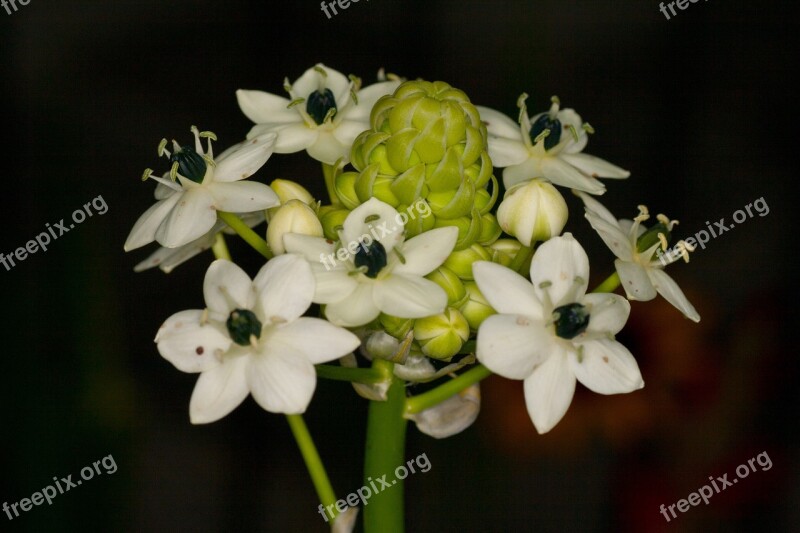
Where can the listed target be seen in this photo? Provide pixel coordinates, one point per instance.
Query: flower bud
(452, 416)
(344, 185)
(447, 280)
(461, 261)
(332, 218)
(442, 336)
(290, 190)
(292, 217)
(504, 250)
(532, 211)
(475, 308)
(418, 217)
(469, 229)
(490, 230)
(396, 327)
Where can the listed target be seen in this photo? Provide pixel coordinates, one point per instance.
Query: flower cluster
(481, 274)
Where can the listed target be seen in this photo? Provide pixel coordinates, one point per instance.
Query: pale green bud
(490, 230)
(396, 327)
(469, 228)
(532, 211)
(292, 217)
(423, 219)
(290, 190)
(476, 308)
(345, 186)
(332, 218)
(461, 261)
(504, 250)
(442, 336)
(453, 287)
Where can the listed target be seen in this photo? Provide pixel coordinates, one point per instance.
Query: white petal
(192, 217)
(608, 313)
(560, 271)
(598, 209)
(312, 80)
(367, 98)
(634, 279)
(383, 225)
(312, 248)
(667, 288)
(357, 309)
(626, 225)
(499, 125)
(549, 391)
(169, 258)
(285, 288)
(332, 284)
(505, 290)
(406, 296)
(246, 160)
(227, 287)
(507, 152)
(189, 346)
(568, 144)
(346, 132)
(526, 170)
(281, 379)
(144, 230)
(294, 138)
(606, 367)
(327, 148)
(617, 241)
(427, 251)
(243, 196)
(594, 166)
(512, 345)
(261, 107)
(562, 173)
(319, 340)
(219, 391)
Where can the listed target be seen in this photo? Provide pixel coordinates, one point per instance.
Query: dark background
(697, 107)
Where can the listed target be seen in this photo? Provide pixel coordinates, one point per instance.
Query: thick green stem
(342, 373)
(220, 248)
(329, 171)
(522, 256)
(245, 232)
(433, 397)
(609, 285)
(313, 463)
(385, 451)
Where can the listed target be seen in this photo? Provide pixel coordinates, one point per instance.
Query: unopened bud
(442, 336)
(475, 308)
(290, 190)
(532, 211)
(292, 217)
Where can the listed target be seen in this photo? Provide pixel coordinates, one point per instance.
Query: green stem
(523, 255)
(342, 373)
(220, 248)
(426, 400)
(385, 451)
(313, 463)
(609, 285)
(245, 232)
(329, 171)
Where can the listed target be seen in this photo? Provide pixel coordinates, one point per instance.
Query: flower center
(191, 165)
(650, 237)
(372, 256)
(242, 324)
(571, 320)
(546, 123)
(319, 104)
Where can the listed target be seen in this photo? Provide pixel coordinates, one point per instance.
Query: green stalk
(329, 171)
(433, 397)
(522, 256)
(313, 463)
(609, 285)
(220, 248)
(385, 451)
(250, 237)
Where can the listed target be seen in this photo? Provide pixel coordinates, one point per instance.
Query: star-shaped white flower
(526, 151)
(324, 114)
(373, 270)
(253, 339)
(551, 332)
(198, 186)
(640, 273)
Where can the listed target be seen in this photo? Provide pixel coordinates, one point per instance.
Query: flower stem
(522, 256)
(250, 237)
(329, 171)
(341, 373)
(313, 462)
(609, 285)
(220, 248)
(385, 451)
(426, 400)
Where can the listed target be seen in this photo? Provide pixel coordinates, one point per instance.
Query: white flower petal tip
(452, 416)
(346, 521)
(605, 366)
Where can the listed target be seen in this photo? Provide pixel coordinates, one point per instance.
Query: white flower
(532, 211)
(551, 332)
(253, 339)
(640, 273)
(167, 259)
(200, 186)
(324, 114)
(527, 152)
(374, 270)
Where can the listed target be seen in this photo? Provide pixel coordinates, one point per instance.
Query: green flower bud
(461, 261)
(292, 217)
(532, 211)
(490, 230)
(504, 250)
(442, 336)
(422, 221)
(290, 190)
(453, 287)
(453, 203)
(484, 201)
(469, 228)
(396, 327)
(344, 185)
(332, 219)
(475, 308)
(370, 184)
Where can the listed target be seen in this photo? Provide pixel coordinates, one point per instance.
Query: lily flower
(252, 339)
(198, 185)
(323, 115)
(640, 260)
(373, 269)
(547, 145)
(550, 333)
